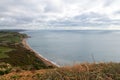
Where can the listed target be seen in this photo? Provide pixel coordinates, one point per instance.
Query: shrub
(5, 68)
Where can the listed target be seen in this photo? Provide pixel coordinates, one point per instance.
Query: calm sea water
(70, 47)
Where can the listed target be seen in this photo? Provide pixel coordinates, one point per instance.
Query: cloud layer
(59, 13)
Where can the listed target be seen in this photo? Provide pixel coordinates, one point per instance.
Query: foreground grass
(86, 71)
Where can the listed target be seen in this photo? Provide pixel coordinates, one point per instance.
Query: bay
(68, 47)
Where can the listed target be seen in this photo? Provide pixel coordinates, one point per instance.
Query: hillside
(86, 71)
(14, 53)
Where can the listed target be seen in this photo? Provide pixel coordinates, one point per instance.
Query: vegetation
(5, 68)
(3, 51)
(86, 71)
(13, 52)
(101, 71)
(11, 37)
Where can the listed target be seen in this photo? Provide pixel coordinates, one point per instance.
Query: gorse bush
(5, 68)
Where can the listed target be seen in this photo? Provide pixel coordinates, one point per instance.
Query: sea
(69, 47)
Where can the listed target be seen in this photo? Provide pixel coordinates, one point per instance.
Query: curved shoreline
(46, 61)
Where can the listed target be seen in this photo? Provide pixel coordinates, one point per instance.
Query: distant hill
(12, 30)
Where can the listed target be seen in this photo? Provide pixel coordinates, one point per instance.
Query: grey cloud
(108, 2)
(117, 12)
(87, 19)
(51, 8)
(23, 12)
(14, 13)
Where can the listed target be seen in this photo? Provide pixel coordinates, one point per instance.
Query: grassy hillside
(101, 71)
(3, 51)
(13, 53)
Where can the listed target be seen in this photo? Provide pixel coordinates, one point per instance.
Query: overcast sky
(34, 14)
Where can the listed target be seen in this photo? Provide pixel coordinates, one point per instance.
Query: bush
(5, 68)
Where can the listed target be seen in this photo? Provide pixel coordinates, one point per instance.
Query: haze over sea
(67, 47)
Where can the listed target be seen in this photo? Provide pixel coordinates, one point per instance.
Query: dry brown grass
(85, 71)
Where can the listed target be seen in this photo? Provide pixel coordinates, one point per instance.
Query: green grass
(15, 77)
(3, 51)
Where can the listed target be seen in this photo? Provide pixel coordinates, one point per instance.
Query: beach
(45, 61)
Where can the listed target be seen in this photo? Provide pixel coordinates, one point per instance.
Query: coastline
(46, 61)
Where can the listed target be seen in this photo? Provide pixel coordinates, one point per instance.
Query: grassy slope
(101, 71)
(3, 51)
(13, 52)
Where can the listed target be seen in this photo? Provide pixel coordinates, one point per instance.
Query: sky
(59, 14)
